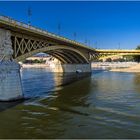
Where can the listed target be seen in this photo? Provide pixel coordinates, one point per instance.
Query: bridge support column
(10, 80)
(57, 66)
(79, 68)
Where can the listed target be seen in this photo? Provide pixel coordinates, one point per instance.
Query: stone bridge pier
(10, 80)
(57, 66)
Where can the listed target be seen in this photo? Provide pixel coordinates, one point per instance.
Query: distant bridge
(103, 54)
(19, 41)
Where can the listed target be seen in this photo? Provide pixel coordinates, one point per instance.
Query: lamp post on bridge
(85, 41)
(75, 35)
(59, 28)
(89, 42)
(119, 45)
(29, 15)
(96, 45)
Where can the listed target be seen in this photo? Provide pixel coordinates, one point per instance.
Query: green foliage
(138, 47)
(41, 61)
(137, 57)
(119, 60)
(108, 60)
(128, 58)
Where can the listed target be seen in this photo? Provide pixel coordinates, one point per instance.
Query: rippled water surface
(101, 105)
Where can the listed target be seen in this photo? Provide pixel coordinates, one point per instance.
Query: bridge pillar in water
(56, 66)
(10, 80)
(78, 68)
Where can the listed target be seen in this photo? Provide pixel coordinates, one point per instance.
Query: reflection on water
(6, 105)
(101, 105)
(137, 81)
(67, 78)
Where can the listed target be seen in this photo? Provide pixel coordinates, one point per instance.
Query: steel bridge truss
(25, 46)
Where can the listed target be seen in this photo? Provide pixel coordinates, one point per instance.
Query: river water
(101, 105)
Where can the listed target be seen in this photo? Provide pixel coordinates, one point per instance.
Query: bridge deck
(16, 26)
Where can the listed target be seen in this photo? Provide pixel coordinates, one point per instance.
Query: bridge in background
(19, 41)
(104, 54)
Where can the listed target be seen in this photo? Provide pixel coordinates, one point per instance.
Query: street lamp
(59, 28)
(119, 45)
(86, 41)
(75, 36)
(96, 44)
(29, 15)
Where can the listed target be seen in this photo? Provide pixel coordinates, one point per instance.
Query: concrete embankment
(112, 65)
(118, 66)
(34, 65)
(135, 68)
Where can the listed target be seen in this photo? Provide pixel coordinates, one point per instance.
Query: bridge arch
(63, 53)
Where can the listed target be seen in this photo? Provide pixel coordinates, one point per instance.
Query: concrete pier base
(79, 68)
(10, 81)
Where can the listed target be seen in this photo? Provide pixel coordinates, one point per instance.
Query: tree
(138, 47)
(108, 60)
(137, 57)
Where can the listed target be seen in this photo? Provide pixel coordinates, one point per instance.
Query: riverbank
(35, 65)
(135, 68)
(118, 66)
(112, 66)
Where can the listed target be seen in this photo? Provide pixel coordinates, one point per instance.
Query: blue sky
(105, 25)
